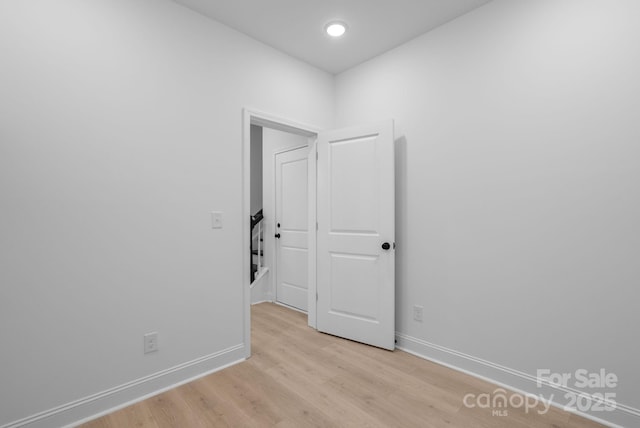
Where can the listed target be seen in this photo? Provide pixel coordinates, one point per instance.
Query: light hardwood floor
(298, 377)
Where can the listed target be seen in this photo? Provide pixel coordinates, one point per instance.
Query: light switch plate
(150, 342)
(417, 313)
(216, 220)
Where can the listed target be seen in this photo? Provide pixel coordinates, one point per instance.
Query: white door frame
(255, 117)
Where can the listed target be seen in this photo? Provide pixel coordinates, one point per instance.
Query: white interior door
(356, 231)
(292, 228)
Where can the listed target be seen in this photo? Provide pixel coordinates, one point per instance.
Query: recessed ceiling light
(335, 29)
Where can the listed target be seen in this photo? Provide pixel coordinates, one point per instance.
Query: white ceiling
(296, 27)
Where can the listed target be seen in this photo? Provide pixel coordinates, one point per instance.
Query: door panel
(293, 188)
(353, 206)
(292, 216)
(358, 300)
(356, 210)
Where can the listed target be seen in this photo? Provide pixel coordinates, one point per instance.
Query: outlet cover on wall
(150, 342)
(417, 313)
(216, 220)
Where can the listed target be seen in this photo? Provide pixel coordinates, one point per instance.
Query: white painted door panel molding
(356, 233)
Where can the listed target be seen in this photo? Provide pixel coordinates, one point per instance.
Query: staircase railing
(257, 237)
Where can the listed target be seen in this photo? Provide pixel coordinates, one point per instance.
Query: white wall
(518, 172)
(120, 130)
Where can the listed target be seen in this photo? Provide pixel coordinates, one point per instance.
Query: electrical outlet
(417, 313)
(150, 342)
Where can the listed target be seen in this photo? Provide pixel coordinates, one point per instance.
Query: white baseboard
(102, 403)
(290, 307)
(259, 288)
(622, 416)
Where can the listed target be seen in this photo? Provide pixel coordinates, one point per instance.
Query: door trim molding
(250, 117)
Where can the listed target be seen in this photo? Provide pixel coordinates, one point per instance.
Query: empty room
(292, 213)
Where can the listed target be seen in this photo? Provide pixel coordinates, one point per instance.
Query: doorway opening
(279, 220)
(349, 239)
(279, 206)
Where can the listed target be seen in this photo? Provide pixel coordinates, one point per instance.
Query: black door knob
(386, 246)
(278, 235)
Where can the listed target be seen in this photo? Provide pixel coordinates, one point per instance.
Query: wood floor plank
(103, 422)
(407, 383)
(170, 410)
(218, 401)
(289, 405)
(139, 416)
(297, 377)
(322, 395)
